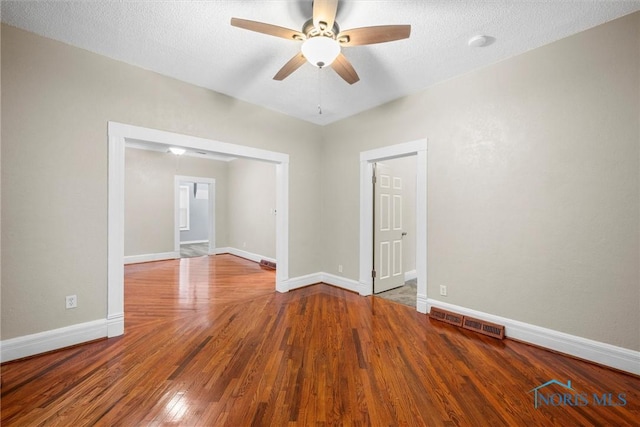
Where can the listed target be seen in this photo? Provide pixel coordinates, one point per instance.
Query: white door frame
(211, 215)
(118, 134)
(367, 159)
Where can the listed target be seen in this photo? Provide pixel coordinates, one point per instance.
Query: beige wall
(533, 184)
(149, 198)
(56, 102)
(251, 205)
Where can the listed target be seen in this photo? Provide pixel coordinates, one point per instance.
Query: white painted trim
(421, 228)
(583, 348)
(247, 255)
(366, 225)
(302, 281)
(211, 210)
(118, 134)
(136, 259)
(29, 345)
(329, 279)
(282, 225)
(115, 230)
(421, 303)
(115, 325)
(163, 149)
(341, 282)
(367, 158)
(193, 242)
(394, 151)
(171, 139)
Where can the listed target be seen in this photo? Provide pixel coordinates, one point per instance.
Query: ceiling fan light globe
(320, 51)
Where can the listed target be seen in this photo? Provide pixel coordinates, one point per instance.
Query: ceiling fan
(322, 39)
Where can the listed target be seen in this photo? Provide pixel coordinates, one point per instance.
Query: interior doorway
(418, 151)
(118, 135)
(394, 250)
(388, 228)
(194, 216)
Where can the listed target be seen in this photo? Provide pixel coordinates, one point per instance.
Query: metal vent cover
(268, 264)
(446, 316)
(483, 327)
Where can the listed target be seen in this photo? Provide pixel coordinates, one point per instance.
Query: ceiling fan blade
(324, 11)
(343, 67)
(372, 35)
(293, 64)
(272, 30)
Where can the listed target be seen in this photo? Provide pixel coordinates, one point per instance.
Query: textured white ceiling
(194, 42)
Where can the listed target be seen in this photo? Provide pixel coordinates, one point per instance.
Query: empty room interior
(203, 224)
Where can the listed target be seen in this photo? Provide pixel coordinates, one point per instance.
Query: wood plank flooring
(209, 342)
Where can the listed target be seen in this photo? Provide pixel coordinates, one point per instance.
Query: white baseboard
(115, 325)
(29, 345)
(244, 254)
(135, 259)
(192, 242)
(302, 281)
(422, 305)
(341, 282)
(329, 279)
(583, 348)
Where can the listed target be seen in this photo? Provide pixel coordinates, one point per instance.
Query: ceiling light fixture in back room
(323, 40)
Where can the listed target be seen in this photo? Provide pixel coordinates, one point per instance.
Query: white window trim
(184, 195)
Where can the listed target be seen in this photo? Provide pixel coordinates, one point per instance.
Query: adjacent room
(195, 203)
(320, 213)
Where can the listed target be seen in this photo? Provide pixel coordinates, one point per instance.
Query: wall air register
(270, 265)
(446, 316)
(486, 328)
(466, 322)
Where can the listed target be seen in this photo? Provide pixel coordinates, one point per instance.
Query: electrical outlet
(71, 301)
(340, 268)
(443, 290)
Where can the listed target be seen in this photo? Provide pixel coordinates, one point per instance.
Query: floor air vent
(470, 323)
(446, 316)
(268, 264)
(486, 328)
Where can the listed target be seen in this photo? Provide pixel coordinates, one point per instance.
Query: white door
(387, 252)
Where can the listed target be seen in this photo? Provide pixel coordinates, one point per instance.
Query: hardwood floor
(209, 342)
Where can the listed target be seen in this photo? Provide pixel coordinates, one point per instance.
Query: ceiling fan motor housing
(312, 31)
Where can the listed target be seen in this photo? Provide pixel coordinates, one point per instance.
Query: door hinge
(373, 179)
(373, 274)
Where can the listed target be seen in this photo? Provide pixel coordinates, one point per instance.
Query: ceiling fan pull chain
(319, 91)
